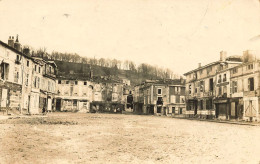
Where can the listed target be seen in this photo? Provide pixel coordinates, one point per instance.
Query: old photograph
(129, 81)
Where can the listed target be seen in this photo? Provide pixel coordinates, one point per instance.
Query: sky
(175, 34)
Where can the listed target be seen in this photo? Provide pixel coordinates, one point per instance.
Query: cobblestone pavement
(117, 138)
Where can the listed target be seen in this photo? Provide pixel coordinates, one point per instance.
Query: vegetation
(69, 63)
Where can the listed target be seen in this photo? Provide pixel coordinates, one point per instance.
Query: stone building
(160, 97)
(208, 87)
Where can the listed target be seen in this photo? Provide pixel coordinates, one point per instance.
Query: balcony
(49, 75)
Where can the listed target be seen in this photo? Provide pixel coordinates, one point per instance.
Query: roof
(15, 50)
(202, 67)
(230, 60)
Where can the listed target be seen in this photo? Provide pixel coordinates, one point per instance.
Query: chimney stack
(248, 56)
(11, 41)
(199, 65)
(17, 45)
(223, 55)
(26, 51)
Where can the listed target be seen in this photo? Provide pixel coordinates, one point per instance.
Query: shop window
(201, 104)
(251, 84)
(180, 111)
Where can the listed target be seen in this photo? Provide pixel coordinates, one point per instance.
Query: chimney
(11, 41)
(199, 65)
(248, 56)
(17, 45)
(223, 55)
(26, 51)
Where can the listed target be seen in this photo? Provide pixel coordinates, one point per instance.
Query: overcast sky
(177, 34)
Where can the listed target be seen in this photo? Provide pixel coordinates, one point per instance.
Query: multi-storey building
(88, 94)
(245, 90)
(208, 85)
(73, 94)
(161, 97)
(23, 79)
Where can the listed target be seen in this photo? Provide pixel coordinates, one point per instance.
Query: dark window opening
(211, 84)
(85, 83)
(76, 82)
(67, 82)
(59, 81)
(251, 84)
(28, 63)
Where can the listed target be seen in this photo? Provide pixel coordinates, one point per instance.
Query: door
(4, 98)
(49, 104)
(29, 99)
(58, 104)
(217, 110)
(196, 107)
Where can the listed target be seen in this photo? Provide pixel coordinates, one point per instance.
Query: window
(4, 71)
(173, 109)
(250, 66)
(16, 75)
(85, 83)
(201, 86)
(180, 111)
(219, 79)
(59, 81)
(27, 79)
(67, 82)
(211, 84)
(201, 71)
(76, 82)
(251, 84)
(209, 69)
(38, 86)
(159, 91)
(219, 91)
(234, 70)
(35, 82)
(225, 78)
(35, 68)
(28, 63)
(190, 89)
(39, 69)
(209, 104)
(234, 86)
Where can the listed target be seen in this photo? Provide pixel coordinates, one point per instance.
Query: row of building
(30, 84)
(224, 89)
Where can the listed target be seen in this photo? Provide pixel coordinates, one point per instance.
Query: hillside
(81, 70)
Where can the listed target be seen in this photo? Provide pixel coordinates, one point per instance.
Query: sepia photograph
(129, 81)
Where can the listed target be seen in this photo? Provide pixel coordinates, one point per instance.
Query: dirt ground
(117, 138)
